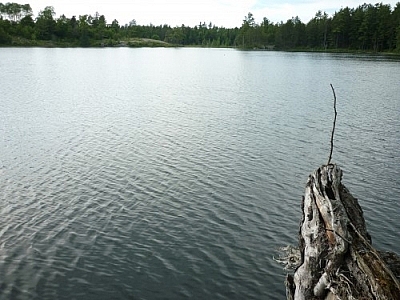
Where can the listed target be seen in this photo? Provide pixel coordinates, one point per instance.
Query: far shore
(153, 43)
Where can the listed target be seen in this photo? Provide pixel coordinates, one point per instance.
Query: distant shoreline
(152, 43)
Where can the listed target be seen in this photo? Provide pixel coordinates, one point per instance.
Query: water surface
(176, 173)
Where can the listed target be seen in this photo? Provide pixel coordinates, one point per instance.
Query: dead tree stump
(337, 260)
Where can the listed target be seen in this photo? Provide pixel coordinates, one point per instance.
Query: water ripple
(120, 188)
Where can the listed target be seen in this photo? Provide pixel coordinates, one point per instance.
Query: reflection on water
(176, 173)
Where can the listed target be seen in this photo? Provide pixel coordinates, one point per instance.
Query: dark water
(176, 173)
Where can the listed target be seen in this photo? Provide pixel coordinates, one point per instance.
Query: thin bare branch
(334, 124)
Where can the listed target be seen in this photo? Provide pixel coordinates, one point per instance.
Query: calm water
(176, 173)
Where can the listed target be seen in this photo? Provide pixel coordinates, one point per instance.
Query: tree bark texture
(337, 259)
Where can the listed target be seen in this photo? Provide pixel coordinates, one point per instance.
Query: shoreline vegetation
(372, 29)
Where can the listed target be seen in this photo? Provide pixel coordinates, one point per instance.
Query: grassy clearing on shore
(133, 42)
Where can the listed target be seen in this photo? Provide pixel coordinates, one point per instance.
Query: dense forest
(367, 28)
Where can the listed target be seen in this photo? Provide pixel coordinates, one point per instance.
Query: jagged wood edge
(335, 246)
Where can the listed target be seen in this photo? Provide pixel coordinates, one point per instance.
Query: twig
(334, 124)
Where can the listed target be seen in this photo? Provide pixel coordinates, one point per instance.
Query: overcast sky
(222, 13)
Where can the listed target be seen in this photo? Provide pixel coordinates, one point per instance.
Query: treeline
(367, 28)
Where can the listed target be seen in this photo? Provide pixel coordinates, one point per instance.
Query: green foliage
(367, 27)
(45, 24)
(5, 38)
(14, 11)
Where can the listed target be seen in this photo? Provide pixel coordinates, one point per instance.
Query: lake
(177, 173)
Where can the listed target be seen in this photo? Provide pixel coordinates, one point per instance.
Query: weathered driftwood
(337, 260)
